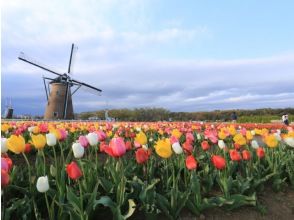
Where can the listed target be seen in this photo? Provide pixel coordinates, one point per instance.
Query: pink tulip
(83, 141)
(4, 165)
(101, 135)
(116, 148)
(190, 137)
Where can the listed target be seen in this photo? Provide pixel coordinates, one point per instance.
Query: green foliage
(161, 114)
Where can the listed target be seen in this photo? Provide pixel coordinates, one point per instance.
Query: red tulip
(235, 155)
(4, 178)
(246, 155)
(187, 146)
(27, 148)
(205, 145)
(102, 147)
(237, 146)
(191, 163)
(142, 155)
(260, 152)
(128, 145)
(218, 161)
(73, 171)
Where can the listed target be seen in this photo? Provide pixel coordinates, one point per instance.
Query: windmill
(58, 90)
(8, 114)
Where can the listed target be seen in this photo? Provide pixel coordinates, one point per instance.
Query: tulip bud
(51, 139)
(4, 148)
(52, 170)
(221, 144)
(42, 184)
(177, 148)
(92, 139)
(78, 150)
(254, 144)
(198, 136)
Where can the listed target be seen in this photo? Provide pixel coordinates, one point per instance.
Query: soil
(274, 206)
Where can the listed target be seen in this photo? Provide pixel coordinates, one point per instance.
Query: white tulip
(42, 184)
(177, 148)
(289, 141)
(254, 144)
(51, 139)
(198, 136)
(278, 137)
(252, 132)
(145, 146)
(30, 129)
(78, 150)
(221, 144)
(92, 139)
(4, 148)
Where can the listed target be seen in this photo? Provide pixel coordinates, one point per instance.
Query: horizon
(185, 57)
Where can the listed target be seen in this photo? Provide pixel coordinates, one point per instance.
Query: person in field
(285, 119)
(234, 117)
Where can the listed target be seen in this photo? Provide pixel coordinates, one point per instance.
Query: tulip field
(102, 170)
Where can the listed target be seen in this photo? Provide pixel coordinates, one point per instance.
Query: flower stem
(48, 207)
(30, 184)
(44, 160)
(81, 200)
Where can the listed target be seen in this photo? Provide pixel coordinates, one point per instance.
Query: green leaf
(73, 200)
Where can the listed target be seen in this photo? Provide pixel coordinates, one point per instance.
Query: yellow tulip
(16, 144)
(239, 139)
(141, 138)
(39, 141)
(163, 148)
(249, 136)
(109, 133)
(232, 130)
(271, 141)
(56, 133)
(36, 130)
(4, 127)
(176, 133)
(222, 135)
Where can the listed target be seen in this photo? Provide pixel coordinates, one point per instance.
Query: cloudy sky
(180, 55)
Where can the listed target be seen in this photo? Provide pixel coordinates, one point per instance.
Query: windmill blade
(88, 87)
(70, 58)
(25, 58)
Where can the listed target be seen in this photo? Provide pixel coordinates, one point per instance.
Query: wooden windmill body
(55, 104)
(58, 91)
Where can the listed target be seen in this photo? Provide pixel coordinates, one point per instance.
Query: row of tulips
(90, 170)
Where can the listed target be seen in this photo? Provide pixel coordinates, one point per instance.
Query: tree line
(161, 114)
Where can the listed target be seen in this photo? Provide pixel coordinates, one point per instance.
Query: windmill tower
(58, 90)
